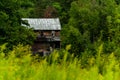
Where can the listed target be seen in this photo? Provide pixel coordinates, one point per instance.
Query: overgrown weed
(60, 65)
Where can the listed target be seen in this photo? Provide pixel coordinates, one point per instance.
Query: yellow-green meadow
(57, 66)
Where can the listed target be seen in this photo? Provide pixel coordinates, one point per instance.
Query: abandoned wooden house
(48, 34)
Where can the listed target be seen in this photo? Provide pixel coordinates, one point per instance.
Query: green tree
(62, 8)
(11, 31)
(94, 20)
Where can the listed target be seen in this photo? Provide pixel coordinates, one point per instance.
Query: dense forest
(90, 40)
(85, 23)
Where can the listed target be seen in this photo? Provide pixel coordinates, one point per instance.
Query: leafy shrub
(62, 66)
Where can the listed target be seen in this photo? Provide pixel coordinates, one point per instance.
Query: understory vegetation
(60, 65)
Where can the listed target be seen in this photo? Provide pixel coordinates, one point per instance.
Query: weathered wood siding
(45, 40)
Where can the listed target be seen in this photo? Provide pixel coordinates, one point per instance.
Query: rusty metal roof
(43, 23)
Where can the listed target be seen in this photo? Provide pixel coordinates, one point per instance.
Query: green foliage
(62, 7)
(11, 31)
(94, 20)
(67, 67)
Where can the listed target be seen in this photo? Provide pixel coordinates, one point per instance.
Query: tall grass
(19, 65)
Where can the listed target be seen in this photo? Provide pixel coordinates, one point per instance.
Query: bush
(62, 66)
